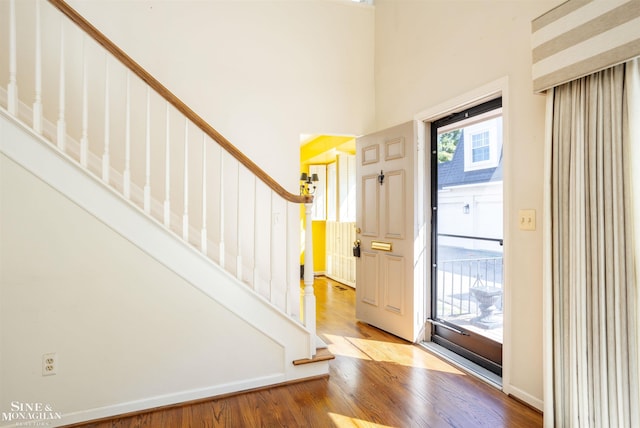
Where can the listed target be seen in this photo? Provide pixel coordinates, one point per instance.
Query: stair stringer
(60, 172)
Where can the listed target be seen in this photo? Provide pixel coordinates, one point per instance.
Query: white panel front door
(384, 221)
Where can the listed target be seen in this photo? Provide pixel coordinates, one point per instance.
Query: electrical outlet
(49, 364)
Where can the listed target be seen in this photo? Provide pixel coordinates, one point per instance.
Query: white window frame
(332, 195)
(495, 144)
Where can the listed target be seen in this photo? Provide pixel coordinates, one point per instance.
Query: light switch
(527, 219)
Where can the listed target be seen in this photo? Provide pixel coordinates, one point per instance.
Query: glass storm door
(467, 230)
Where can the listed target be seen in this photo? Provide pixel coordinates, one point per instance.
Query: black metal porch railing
(460, 270)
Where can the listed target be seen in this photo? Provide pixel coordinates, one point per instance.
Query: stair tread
(322, 354)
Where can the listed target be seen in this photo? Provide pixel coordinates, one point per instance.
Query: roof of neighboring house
(452, 173)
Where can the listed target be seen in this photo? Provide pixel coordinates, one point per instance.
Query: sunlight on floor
(398, 353)
(345, 421)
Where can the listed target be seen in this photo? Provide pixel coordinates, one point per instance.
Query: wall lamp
(307, 186)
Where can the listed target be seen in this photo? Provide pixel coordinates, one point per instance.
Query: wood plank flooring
(376, 380)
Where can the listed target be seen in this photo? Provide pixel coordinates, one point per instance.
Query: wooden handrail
(128, 62)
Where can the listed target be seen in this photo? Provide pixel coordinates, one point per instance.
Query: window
(331, 192)
(319, 211)
(482, 144)
(480, 147)
(346, 188)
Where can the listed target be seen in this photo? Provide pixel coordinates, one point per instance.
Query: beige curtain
(593, 346)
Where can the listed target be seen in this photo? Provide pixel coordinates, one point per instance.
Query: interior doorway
(328, 165)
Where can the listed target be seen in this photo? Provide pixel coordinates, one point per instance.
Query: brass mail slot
(383, 246)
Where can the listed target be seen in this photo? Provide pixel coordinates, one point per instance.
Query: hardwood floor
(376, 380)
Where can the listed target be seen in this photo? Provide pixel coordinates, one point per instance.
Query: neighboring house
(470, 188)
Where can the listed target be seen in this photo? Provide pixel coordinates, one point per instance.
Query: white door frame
(422, 119)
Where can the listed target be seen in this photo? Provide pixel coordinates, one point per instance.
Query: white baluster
(62, 126)
(309, 296)
(287, 264)
(12, 88)
(126, 176)
(84, 141)
(107, 124)
(272, 223)
(238, 228)
(255, 233)
(37, 103)
(167, 172)
(185, 216)
(221, 173)
(203, 233)
(147, 182)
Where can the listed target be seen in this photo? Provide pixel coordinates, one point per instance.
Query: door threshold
(465, 365)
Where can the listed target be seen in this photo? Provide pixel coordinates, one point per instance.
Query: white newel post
(309, 308)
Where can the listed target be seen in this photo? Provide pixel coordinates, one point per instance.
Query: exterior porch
(470, 289)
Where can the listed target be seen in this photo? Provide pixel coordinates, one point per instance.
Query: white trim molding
(491, 90)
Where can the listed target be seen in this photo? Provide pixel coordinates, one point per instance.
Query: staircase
(157, 261)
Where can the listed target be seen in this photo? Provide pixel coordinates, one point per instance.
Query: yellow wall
(319, 251)
(318, 229)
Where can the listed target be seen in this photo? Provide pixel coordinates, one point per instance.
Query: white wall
(124, 327)
(138, 319)
(429, 52)
(261, 72)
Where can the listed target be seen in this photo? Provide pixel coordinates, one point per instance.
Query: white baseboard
(311, 371)
(341, 280)
(525, 397)
(167, 400)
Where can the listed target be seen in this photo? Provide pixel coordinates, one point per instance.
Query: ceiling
(322, 149)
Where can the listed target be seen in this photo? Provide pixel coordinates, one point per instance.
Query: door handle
(448, 327)
(356, 248)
